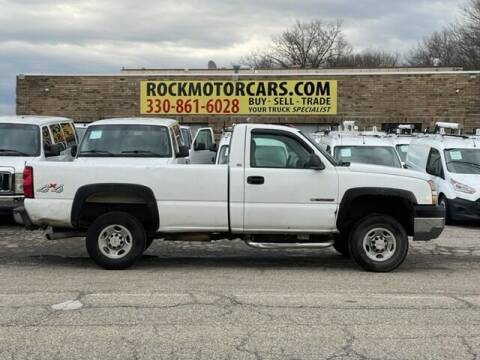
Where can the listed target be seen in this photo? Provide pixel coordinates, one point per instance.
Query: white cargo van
(25, 138)
(453, 162)
(352, 148)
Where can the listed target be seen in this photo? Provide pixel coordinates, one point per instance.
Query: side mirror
(314, 163)
(404, 165)
(183, 151)
(53, 150)
(73, 150)
(199, 146)
(213, 147)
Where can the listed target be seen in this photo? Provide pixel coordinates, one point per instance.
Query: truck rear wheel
(378, 243)
(116, 240)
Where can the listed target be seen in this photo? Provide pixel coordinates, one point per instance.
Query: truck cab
(26, 138)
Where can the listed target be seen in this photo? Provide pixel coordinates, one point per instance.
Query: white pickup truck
(278, 190)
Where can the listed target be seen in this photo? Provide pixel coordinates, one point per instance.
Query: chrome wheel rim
(379, 244)
(115, 241)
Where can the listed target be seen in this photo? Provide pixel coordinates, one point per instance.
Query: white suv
(25, 138)
(453, 162)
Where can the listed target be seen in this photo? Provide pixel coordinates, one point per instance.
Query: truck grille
(6, 182)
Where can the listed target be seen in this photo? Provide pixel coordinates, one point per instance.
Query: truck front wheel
(378, 243)
(116, 240)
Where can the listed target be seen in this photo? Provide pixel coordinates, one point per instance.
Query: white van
(352, 148)
(26, 138)
(401, 139)
(453, 162)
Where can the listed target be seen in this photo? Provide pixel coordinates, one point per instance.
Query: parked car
(453, 162)
(24, 138)
(353, 148)
(299, 199)
(124, 140)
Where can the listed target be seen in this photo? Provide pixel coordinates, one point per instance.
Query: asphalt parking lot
(224, 300)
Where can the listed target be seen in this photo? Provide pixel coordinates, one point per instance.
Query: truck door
(200, 153)
(281, 195)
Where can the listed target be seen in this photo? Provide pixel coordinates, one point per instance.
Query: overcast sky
(95, 36)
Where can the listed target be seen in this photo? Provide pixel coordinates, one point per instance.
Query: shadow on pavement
(320, 262)
(7, 220)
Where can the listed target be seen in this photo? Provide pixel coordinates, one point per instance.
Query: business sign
(241, 97)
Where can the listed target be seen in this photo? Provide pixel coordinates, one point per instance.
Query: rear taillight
(28, 182)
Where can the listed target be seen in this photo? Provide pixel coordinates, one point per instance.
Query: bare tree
(306, 45)
(440, 47)
(368, 59)
(468, 35)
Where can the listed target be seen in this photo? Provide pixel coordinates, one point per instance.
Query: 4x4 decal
(51, 188)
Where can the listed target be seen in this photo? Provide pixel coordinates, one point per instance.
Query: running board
(58, 234)
(296, 245)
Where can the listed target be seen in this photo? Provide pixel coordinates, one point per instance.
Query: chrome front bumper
(429, 222)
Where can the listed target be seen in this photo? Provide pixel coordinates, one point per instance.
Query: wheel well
(398, 207)
(93, 201)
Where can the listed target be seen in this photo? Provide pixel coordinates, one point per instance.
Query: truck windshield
(402, 150)
(375, 155)
(19, 140)
(463, 161)
(126, 141)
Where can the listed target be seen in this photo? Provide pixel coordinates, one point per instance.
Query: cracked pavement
(223, 300)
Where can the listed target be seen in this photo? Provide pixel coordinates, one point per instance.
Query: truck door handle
(255, 180)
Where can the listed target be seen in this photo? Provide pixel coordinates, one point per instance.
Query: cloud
(88, 36)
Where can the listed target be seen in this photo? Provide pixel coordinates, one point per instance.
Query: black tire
(385, 227)
(137, 240)
(443, 201)
(341, 245)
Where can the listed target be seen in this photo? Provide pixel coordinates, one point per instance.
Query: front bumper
(428, 222)
(463, 210)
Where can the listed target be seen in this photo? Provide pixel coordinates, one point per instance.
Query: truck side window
(178, 135)
(69, 133)
(277, 151)
(46, 139)
(434, 163)
(174, 141)
(58, 137)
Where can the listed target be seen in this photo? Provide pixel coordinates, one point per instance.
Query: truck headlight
(18, 184)
(434, 192)
(458, 186)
